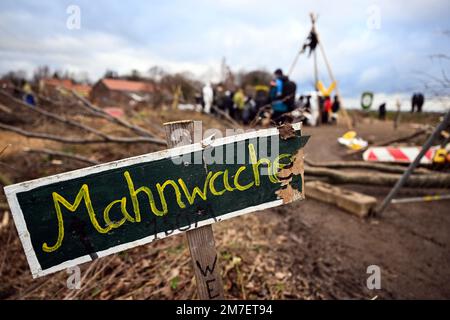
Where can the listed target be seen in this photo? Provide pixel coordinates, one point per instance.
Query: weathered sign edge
(159, 155)
(16, 211)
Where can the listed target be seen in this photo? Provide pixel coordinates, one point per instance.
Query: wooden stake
(316, 69)
(330, 72)
(176, 97)
(406, 176)
(333, 79)
(201, 240)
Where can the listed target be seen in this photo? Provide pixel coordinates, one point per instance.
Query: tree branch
(52, 137)
(227, 117)
(362, 165)
(139, 130)
(62, 154)
(104, 137)
(56, 117)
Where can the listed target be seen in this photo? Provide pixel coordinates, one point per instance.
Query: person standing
(413, 102)
(335, 109)
(239, 103)
(198, 102)
(308, 104)
(208, 97)
(28, 95)
(398, 105)
(283, 95)
(326, 109)
(420, 102)
(382, 111)
(228, 103)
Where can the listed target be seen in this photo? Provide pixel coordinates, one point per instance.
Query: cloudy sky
(372, 45)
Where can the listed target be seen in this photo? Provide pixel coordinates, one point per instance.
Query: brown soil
(410, 243)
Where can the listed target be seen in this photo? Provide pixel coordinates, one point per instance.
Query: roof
(68, 84)
(127, 85)
(82, 89)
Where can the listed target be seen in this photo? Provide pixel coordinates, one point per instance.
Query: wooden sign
(75, 217)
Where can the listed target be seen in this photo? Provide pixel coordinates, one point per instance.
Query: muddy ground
(410, 243)
(305, 250)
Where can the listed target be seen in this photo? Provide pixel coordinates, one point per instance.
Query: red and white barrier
(398, 154)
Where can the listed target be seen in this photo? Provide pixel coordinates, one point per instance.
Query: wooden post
(176, 97)
(330, 72)
(442, 126)
(316, 69)
(333, 79)
(201, 240)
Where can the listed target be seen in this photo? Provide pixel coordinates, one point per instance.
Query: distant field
(431, 118)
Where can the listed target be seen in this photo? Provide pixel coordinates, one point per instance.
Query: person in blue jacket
(282, 95)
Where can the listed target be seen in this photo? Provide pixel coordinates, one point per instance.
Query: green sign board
(78, 216)
(366, 100)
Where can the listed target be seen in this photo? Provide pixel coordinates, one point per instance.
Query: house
(51, 86)
(7, 85)
(118, 92)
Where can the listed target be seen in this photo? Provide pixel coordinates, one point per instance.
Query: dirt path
(330, 250)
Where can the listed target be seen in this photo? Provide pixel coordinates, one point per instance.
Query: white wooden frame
(12, 190)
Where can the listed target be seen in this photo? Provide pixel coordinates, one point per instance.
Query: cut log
(363, 165)
(404, 138)
(350, 201)
(432, 180)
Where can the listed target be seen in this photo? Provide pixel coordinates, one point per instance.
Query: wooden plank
(351, 201)
(201, 241)
(78, 216)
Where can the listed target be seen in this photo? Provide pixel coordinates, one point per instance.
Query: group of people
(329, 109)
(277, 99)
(417, 102)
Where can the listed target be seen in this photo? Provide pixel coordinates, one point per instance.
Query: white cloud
(370, 75)
(250, 34)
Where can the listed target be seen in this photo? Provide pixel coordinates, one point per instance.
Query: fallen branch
(432, 180)
(227, 117)
(56, 117)
(4, 148)
(404, 138)
(62, 154)
(5, 109)
(258, 117)
(57, 104)
(109, 139)
(152, 124)
(105, 137)
(139, 130)
(363, 165)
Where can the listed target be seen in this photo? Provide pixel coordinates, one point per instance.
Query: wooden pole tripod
(316, 72)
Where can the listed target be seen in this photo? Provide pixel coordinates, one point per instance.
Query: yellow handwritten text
(210, 187)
